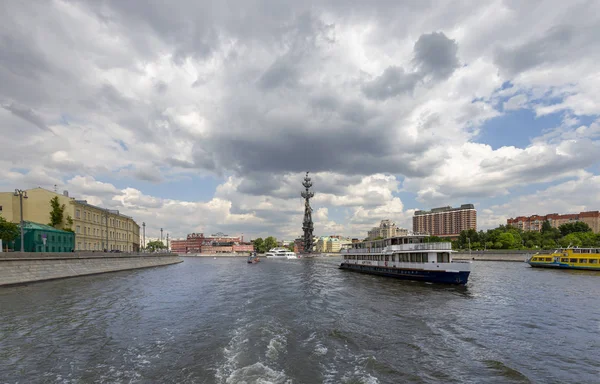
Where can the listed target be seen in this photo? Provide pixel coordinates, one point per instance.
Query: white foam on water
(277, 345)
(257, 373)
(320, 349)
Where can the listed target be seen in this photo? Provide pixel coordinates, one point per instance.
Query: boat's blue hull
(412, 274)
(561, 266)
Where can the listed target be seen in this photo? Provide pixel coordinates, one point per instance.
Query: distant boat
(280, 253)
(252, 258)
(568, 258)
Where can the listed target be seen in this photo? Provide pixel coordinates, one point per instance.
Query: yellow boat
(568, 258)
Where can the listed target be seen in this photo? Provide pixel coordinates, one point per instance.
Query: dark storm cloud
(535, 52)
(392, 82)
(436, 55)
(27, 114)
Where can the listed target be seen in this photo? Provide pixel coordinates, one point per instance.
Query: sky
(199, 116)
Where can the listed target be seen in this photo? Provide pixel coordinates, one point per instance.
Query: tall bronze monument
(307, 224)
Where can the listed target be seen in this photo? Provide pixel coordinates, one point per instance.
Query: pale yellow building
(386, 229)
(95, 228)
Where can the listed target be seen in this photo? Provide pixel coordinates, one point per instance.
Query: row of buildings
(217, 243)
(95, 228)
(535, 222)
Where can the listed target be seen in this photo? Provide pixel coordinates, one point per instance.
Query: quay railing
(446, 246)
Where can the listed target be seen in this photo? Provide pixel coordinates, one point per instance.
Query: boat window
(412, 257)
(593, 261)
(548, 259)
(583, 261)
(564, 260)
(572, 260)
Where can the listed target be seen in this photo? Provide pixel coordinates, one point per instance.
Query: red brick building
(217, 243)
(445, 221)
(535, 222)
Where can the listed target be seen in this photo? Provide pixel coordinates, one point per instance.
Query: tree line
(262, 246)
(576, 234)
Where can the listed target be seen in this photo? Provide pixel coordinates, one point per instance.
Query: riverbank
(514, 256)
(26, 267)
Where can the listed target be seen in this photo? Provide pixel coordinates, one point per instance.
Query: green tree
(546, 227)
(156, 245)
(508, 241)
(578, 226)
(270, 242)
(571, 240)
(57, 212)
(69, 221)
(8, 231)
(258, 245)
(291, 246)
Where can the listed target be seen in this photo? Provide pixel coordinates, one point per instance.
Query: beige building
(95, 228)
(386, 229)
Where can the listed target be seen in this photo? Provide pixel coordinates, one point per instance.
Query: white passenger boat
(280, 253)
(408, 257)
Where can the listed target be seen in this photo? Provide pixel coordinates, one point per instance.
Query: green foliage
(546, 227)
(262, 246)
(506, 237)
(155, 246)
(57, 212)
(270, 242)
(291, 246)
(69, 221)
(259, 245)
(577, 226)
(8, 231)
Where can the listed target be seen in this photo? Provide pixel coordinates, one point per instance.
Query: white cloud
(256, 97)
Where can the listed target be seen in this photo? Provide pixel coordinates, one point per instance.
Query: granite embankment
(495, 255)
(25, 267)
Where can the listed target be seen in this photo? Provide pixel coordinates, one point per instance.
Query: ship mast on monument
(307, 224)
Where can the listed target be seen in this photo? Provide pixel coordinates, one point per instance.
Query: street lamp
(144, 235)
(22, 195)
(469, 239)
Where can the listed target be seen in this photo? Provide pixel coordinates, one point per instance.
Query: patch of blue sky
(122, 145)
(516, 128)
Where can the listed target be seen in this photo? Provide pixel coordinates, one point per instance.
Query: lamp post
(22, 195)
(469, 239)
(167, 242)
(161, 230)
(144, 235)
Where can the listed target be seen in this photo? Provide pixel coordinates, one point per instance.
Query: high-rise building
(445, 221)
(95, 228)
(535, 222)
(386, 229)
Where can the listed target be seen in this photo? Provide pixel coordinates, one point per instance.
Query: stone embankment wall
(495, 255)
(25, 267)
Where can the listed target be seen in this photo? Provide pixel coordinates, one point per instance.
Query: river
(301, 321)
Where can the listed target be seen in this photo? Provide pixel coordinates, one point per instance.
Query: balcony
(446, 246)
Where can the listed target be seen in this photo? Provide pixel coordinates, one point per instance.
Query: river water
(301, 321)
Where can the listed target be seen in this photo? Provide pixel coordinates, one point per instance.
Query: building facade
(535, 222)
(217, 243)
(445, 221)
(96, 228)
(386, 229)
(44, 238)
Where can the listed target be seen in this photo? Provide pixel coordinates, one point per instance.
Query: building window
(77, 214)
(77, 229)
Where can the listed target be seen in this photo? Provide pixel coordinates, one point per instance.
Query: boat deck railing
(446, 246)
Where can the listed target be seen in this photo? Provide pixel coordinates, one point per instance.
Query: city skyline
(204, 118)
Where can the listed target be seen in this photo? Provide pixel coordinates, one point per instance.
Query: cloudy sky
(200, 116)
